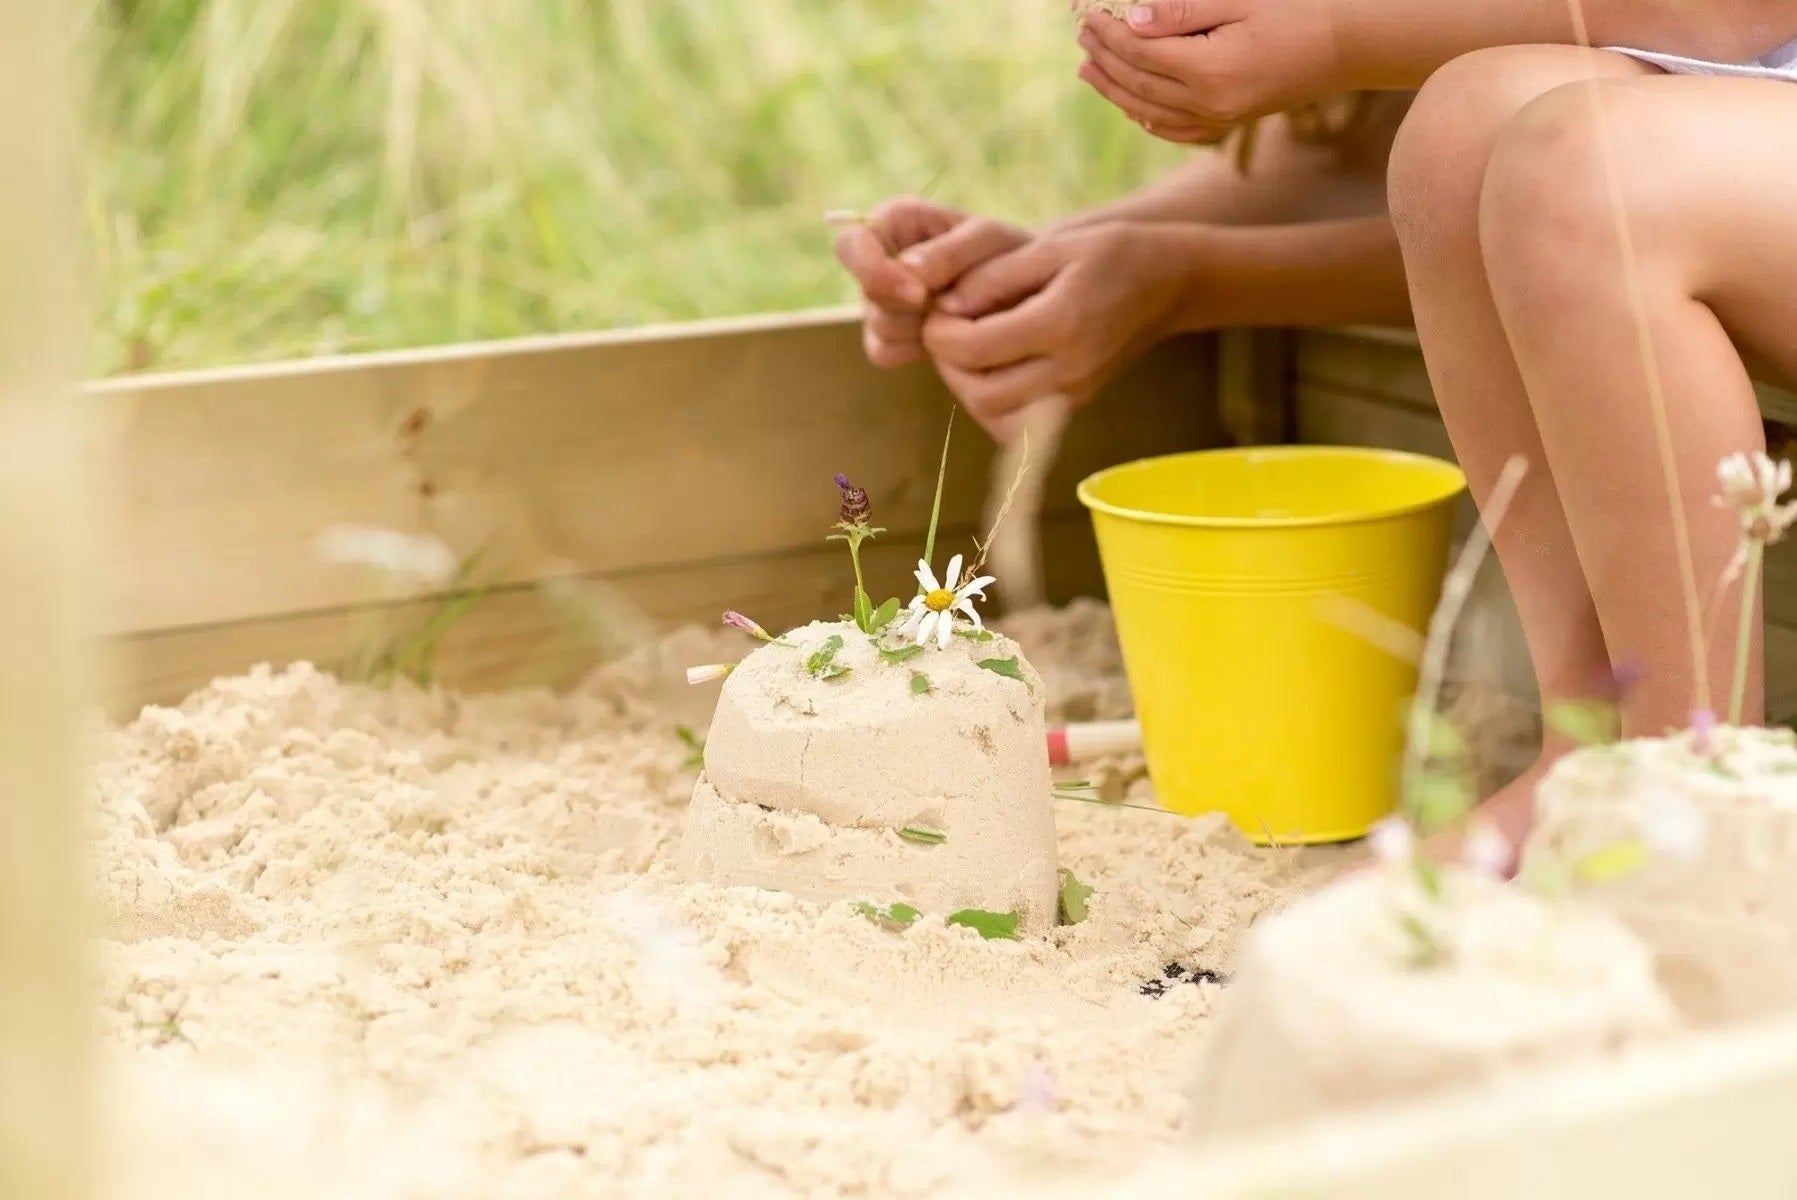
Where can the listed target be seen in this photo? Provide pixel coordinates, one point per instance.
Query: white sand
(1330, 1012)
(808, 781)
(372, 944)
(1719, 911)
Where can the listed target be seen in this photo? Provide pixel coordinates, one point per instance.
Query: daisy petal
(977, 587)
(926, 626)
(954, 572)
(967, 608)
(926, 576)
(945, 629)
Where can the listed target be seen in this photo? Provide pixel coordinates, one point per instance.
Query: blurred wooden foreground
(46, 1151)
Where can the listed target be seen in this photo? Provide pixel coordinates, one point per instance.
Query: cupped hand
(1058, 315)
(907, 250)
(1190, 70)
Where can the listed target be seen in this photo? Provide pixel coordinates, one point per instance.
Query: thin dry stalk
(1018, 546)
(1656, 392)
(1454, 593)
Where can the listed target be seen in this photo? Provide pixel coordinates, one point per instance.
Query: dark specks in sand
(1173, 974)
(983, 737)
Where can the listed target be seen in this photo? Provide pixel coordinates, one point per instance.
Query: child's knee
(1562, 173)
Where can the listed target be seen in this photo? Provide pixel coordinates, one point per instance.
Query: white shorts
(1780, 64)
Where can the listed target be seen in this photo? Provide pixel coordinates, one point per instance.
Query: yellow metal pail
(1269, 602)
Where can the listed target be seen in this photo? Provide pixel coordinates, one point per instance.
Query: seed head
(855, 507)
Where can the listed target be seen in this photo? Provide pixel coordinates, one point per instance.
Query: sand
(825, 788)
(1717, 899)
(1331, 1012)
(396, 944)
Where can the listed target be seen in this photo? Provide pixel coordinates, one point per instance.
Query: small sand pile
(922, 782)
(1333, 1009)
(1717, 895)
(395, 943)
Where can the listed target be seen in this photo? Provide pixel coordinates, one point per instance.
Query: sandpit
(1368, 991)
(395, 943)
(1716, 896)
(922, 782)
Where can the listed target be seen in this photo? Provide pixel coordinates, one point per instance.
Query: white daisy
(933, 613)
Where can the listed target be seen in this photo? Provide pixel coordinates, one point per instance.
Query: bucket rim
(1447, 471)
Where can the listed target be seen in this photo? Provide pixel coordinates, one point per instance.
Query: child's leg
(1703, 170)
(1437, 173)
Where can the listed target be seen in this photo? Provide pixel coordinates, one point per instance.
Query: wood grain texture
(591, 455)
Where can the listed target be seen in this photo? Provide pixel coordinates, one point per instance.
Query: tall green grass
(279, 178)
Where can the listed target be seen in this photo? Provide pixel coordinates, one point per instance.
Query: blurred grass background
(280, 178)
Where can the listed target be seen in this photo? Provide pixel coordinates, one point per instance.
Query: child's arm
(1194, 68)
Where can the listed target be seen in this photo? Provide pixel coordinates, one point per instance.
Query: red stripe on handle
(1057, 748)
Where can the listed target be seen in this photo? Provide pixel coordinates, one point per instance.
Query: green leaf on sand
(1426, 949)
(1008, 667)
(893, 916)
(1428, 877)
(1587, 722)
(823, 662)
(920, 683)
(1440, 799)
(975, 635)
(1612, 863)
(900, 654)
(930, 837)
(693, 742)
(883, 615)
(994, 927)
(1074, 895)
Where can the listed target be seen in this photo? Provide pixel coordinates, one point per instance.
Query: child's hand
(1061, 314)
(1189, 70)
(906, 251)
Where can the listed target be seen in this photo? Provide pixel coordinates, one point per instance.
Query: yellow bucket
(1262, 598)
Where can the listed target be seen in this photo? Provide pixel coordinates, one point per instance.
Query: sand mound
(1717, 901)
(857, 787)
(406, 944)
(1329, 1011)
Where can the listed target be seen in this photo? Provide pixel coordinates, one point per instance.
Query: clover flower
(736, 620)
(708, 673)
(1392, 840)
(855, 505)
(934, 609)
(1488, 851)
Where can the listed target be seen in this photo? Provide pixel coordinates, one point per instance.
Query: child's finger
(1152, 117)
(1003, 281)
(1178, 18)
(1154, 89)
(904, 221)
(942, 260)
(883, 281)
(893, 326)
(1000, 340)
(996, 399)
(889, 353)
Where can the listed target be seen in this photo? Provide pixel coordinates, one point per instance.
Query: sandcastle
(899, 761)
(1715, 896)
(1371, 990)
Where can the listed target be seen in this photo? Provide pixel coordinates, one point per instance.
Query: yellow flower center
(940, 600)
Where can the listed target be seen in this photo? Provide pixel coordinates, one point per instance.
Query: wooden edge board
(580, 455)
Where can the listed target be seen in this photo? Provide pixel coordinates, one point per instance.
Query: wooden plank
(528, 633)
(47, 1138)
(1255, 386)
(585, 455)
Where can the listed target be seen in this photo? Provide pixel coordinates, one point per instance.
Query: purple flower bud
(1626, 676)
(736, 620)
(855, 508)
